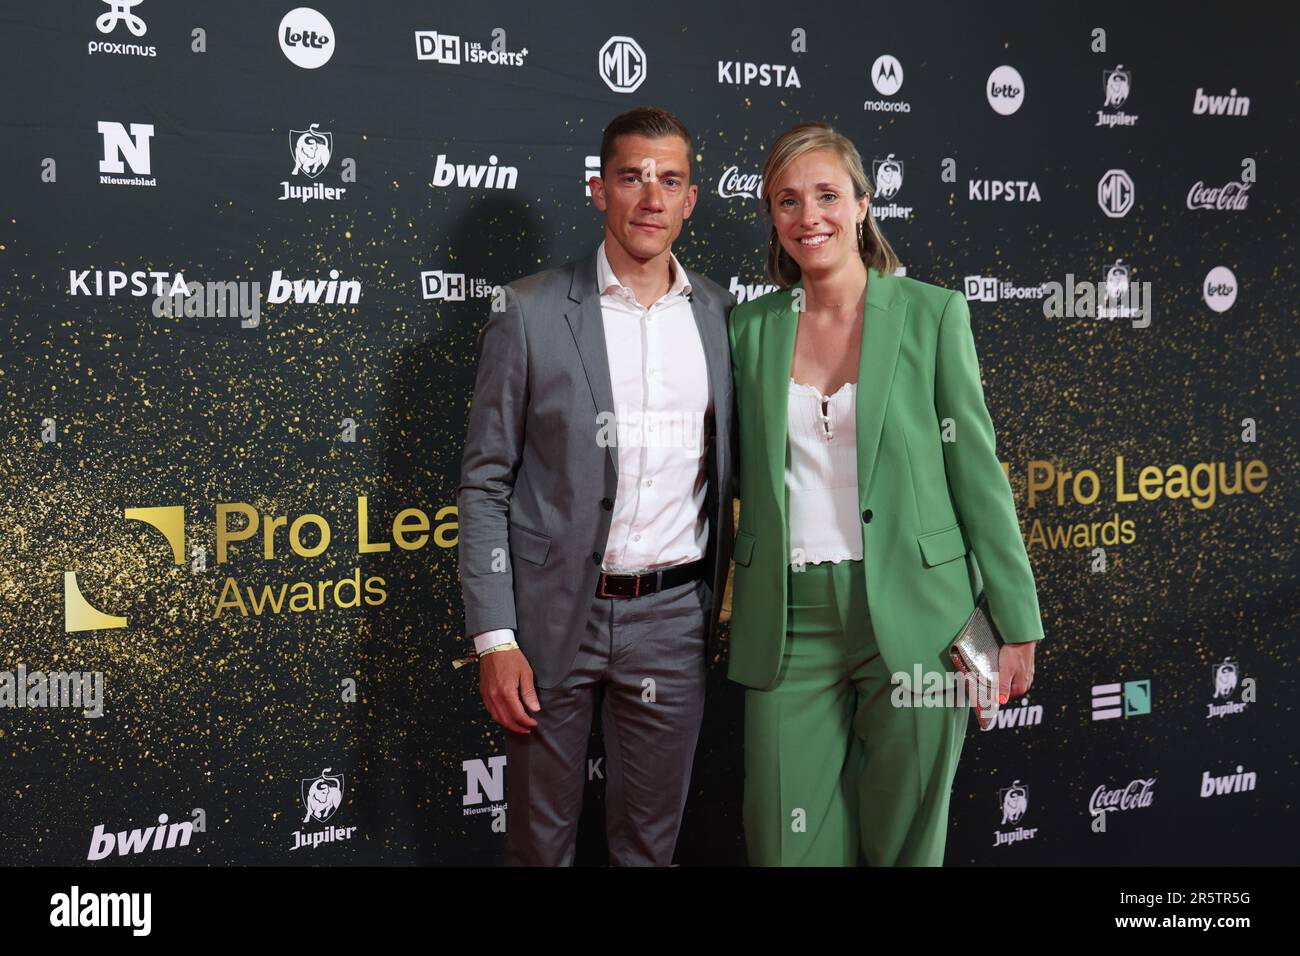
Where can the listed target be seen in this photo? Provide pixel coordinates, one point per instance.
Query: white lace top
(821, 475)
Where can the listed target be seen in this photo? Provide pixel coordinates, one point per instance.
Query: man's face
(645, 193)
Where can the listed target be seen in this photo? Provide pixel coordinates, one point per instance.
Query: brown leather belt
(636, 585)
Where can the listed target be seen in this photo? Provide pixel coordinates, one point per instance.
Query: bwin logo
(471, 176)
(131, 146)
(322, 796)
(131, 842)
(314, 291)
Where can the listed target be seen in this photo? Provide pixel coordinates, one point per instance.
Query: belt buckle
(604, 580)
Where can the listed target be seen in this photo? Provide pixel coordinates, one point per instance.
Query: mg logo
(119, 145)
(1115, 193)
(622, 64)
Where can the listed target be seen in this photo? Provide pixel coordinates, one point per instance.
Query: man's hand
(503, 678)
(1015, 670)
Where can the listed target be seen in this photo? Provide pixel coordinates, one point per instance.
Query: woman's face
(816, 214)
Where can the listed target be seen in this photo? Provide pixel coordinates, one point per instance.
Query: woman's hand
(1015, 670)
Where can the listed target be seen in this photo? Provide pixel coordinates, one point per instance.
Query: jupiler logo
(322, 796)
(1117, 84)
(1014, 802)
(310, 150)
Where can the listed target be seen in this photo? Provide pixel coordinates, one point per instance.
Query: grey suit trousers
(649, 655)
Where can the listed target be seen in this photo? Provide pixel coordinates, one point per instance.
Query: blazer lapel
(882, 335)
(588, 328)
(884, 317)
(717, 355)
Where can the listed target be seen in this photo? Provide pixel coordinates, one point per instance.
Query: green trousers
(832, 767)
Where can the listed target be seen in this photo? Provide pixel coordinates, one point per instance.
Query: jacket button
(866, 516)
(606, 504)
(595, 557)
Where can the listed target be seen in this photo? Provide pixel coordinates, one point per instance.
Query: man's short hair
(646, 121)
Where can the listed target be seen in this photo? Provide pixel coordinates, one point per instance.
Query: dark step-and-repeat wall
(246, 250)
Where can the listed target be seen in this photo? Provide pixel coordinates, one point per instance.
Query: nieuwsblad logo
(887, 77)
(322, 797)
(311, 150)
(485, 789)
(121, 13)
(308, 536)
(888, 176)
(451, 50)
(1116, 86)
(125, 147)
(621, 63)
(306, 38)
(1014, 803)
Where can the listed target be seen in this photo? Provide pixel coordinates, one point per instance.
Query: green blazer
(938, 518)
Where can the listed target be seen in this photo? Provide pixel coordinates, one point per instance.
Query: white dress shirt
(662, 404)
(821, 474)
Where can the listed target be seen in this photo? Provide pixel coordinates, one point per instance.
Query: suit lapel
(882, 336)
(588, 328)
(884, 316)
(717, 354)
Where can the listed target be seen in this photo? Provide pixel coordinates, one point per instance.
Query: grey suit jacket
(537, 489)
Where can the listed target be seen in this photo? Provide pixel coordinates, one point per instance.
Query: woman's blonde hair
(876, 252)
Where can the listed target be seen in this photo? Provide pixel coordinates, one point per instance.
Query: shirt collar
(610, 283)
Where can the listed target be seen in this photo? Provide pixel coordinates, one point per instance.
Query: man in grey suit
(595, 511)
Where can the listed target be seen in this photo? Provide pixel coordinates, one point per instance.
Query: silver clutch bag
(974, 652)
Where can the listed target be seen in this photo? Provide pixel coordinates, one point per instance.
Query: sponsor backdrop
(246, 251)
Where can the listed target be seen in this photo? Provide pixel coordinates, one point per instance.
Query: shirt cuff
(486, 639)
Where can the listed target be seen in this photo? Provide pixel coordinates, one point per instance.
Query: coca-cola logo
(1231, 196)
(1137, 795)
(734, 183)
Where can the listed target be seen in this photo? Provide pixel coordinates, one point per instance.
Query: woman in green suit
(873, 510)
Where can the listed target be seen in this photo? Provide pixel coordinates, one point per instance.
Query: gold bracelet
(509, 646)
